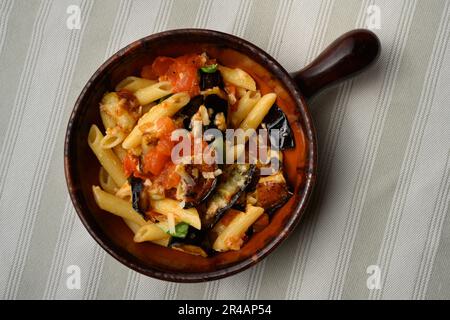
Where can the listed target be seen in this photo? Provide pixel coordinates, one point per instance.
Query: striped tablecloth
(379, 223)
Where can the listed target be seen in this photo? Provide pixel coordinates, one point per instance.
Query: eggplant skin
(137, 187)
(276, 119)
(194, 237)
(272, 192)
(188, 111)
(203, 188)
(235, 180)
(217, 104)
(210, 80)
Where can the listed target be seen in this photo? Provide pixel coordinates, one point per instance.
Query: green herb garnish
(209, 69)
(181, 230)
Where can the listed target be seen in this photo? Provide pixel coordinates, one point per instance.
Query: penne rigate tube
(106, 157)
(132, 225)
(230, 238)
(238, 77)
(120, 152)
(244, 106)
(113, 138)
(150, 232)
(135, 228)
(259, 111)
(153, 92)
(190, 216)
(133, 84)
(116, 206)
(108, 121)
(106, 182)
(167, 108)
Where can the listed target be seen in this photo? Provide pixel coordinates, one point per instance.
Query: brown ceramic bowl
(348, 55)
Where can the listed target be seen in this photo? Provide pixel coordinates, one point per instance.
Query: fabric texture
(379, 223)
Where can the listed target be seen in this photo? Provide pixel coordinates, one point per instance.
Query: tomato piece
(161, 65)
(165, 146)
(171, 177)
(154, 162)
(186, 80)
(164, 126)
(130, 164)
(182, 72)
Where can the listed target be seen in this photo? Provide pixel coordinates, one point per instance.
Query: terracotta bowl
(347, 56)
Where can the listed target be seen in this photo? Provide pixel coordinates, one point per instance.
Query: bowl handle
(350, 54)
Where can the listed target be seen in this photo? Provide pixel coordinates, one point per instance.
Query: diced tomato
(161, 65)
(171, 178)
(154, 162)
(164, 126)
(165, 146)
(130, 164)
(156, 159)
(168, 178)
(182, 72)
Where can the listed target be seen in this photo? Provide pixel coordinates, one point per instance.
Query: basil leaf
(181, 230)
(210, 69)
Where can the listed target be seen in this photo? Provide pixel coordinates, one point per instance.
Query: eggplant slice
(188, 111)
(217, 104)
(210, 80)
(137, 187)
(276, 119)
(241, 202)
(272, 192)
(234, 181)
(202, 187)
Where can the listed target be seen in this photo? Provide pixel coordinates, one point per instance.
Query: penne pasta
(258, 112)
(230, 236)
(168, 108)
(150, 232)
(116, 206)
(154, 92)
(108, 121)
(135, 228)
(163, 242)
(120, 152)
(132, 225)
(113, 138)
(238, 77)
(244, 106)
(106, 182)
(106, 157)
(190, 216)
(133, 84)
(124, 192)
(115, 112)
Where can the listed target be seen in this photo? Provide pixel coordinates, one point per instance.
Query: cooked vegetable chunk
(276, 119)
(210, 79)
(234, 180)
(271, 192)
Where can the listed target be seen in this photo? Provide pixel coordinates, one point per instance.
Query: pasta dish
(191, 155)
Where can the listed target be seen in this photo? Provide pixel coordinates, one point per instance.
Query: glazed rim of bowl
(261, 57)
